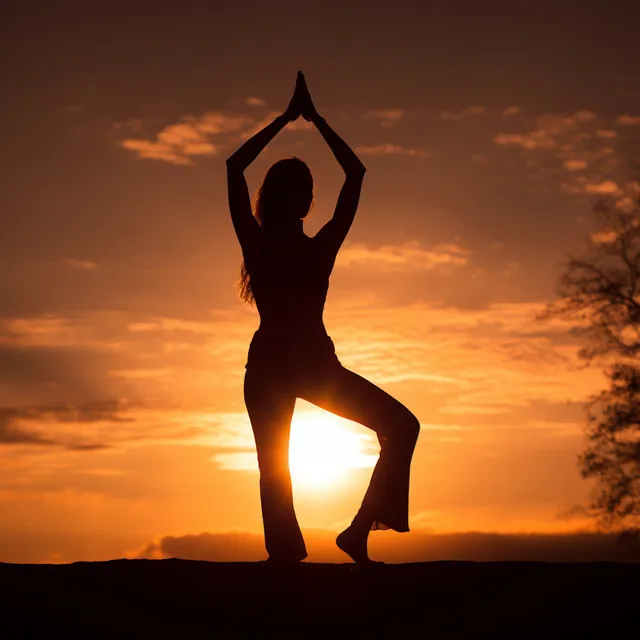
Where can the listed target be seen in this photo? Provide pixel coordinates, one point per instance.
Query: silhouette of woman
(291, 356)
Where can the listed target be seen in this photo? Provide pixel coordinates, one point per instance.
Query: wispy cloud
(252, 101)
(511, 111)
(256, 125)
(84, 392)
(604, 187)
(124, 380)
(575, 165)
(538, 139)
(410, 255)
(551, 132)
(81, 265)
(13, 434)
(628, 121)
(43, 425)
(386, 117)
(580, 149)
(391, 149)
(603, 237)
(154, 150)
(193, 136)
(472, 111)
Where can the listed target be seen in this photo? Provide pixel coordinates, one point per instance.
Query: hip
(290, 351)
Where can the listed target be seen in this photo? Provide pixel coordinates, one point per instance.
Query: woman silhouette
(291, 356)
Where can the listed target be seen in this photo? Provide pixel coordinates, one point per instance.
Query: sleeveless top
(290, 281)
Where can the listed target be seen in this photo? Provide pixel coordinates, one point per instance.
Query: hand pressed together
(301, 103)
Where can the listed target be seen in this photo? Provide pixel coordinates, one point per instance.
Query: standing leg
(270, 405)
(386, 502)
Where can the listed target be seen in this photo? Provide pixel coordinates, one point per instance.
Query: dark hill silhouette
(155, 598)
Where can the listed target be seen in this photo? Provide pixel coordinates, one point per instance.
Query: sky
(487, 129)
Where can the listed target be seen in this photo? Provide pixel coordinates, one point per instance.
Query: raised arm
(246, 226)
(333, 233)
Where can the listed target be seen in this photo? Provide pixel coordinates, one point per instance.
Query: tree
(599, 294)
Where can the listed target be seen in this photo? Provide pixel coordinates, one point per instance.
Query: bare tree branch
(598, 294)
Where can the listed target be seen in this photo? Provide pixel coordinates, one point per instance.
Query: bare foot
(354, 544)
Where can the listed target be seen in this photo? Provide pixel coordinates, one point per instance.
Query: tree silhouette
(598, 293)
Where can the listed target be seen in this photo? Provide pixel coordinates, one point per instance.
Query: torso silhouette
(290, 280)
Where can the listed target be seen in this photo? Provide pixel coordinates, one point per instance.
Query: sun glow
(324, 447)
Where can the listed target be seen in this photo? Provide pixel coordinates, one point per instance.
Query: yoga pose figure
(286, 273)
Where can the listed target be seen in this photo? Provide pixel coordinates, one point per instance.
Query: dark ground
(185, 598)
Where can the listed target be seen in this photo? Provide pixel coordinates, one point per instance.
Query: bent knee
(407, 429)
(412, 428)
(403, 430)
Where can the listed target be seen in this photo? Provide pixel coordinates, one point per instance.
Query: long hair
(286, 194)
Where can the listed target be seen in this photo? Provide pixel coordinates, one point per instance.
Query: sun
(323, 448)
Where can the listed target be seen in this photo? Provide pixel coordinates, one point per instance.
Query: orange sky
(122, 344)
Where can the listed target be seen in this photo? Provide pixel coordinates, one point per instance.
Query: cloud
(155, 151)
(126, 380)
(604, 187)
(386, 117)
(81, 265)
(28, 425)
(463, 113)
(575, 165)
(47, 330)
(389, 149)
(486, 377)
(571, 145)
(252, 101)
(480, 350)
(511, 111)
(606, 133)
(420, 546)
(78, 359)
(112, 423)
(193, 136)
(256, 125)
(298, 125)
(534, 140)
(552, 130)
(409, 255)
(628, 121)
(603, 237)
(214, 547)
(32, 374)
(11, 433)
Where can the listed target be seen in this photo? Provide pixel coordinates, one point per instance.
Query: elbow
(233, 164)
(357, 171)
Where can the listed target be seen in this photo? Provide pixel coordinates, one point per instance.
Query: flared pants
(273, 381)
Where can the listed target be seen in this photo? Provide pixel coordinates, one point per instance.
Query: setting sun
(323, 447)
